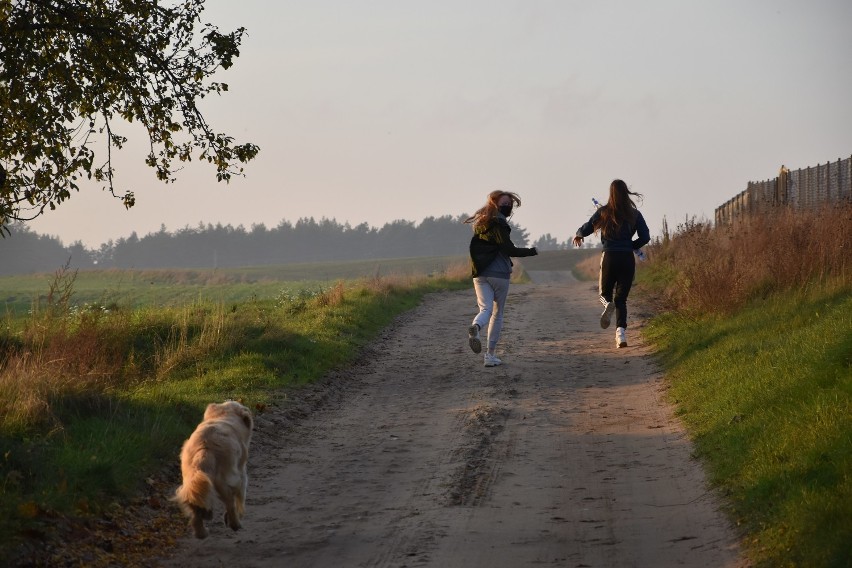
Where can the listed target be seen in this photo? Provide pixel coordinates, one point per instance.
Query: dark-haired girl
(617, 222)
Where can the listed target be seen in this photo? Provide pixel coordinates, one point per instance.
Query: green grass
(21, 294)
(767, 397)
(93, 401)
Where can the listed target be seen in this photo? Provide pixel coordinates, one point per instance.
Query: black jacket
(623, 241)
(487, 243)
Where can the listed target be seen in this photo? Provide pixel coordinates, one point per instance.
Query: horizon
(592, 240)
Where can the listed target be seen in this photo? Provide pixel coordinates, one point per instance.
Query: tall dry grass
(193, 332)
(63, 363)
(62, 353)
(66, 358)
(385, 284)
(707, 269)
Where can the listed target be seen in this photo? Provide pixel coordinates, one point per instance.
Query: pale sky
(374, 111)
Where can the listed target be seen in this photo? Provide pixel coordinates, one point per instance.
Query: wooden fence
(801, 189)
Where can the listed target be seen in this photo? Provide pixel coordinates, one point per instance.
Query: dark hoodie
(623, 241)
(490, 241)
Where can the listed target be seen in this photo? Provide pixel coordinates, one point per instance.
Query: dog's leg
(229, 498)
(231, 519)
(241, 494)
(197, 523)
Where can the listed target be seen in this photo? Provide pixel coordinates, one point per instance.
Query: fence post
(838, 188)
(849, 179)
(820, 186)
(808, 189)
(781, 186)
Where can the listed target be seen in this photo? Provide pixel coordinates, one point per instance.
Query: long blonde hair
(485, 214)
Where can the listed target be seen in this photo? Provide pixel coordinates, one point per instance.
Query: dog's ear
(247, 419)
(212, 410)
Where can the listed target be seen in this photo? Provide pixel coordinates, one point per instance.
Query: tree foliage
(213, 246)
(72, 71)
(549, 242)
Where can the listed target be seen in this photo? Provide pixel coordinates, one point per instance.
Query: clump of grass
(332, 296)
(193, 332)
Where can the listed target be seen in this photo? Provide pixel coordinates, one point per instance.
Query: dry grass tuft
(331, 297)
(65, 360)
(65, 357)
(57, 362)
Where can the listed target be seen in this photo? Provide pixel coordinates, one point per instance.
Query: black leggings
(617, 271)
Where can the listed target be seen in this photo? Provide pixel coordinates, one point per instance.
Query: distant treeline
(221, 246)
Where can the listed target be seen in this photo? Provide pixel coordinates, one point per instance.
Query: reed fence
(806, 188)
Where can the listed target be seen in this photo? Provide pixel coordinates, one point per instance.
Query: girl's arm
(642, 231)
(506, 245)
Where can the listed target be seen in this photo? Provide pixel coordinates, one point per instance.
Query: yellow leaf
(28, 510)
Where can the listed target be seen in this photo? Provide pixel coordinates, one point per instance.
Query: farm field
(173, 287)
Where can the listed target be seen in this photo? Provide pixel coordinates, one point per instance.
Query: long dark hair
(619, 209)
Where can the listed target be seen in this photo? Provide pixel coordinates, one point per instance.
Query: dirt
(418, 455)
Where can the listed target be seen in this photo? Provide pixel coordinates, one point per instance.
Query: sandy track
(419, 456)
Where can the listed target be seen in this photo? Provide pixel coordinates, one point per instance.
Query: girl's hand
(578, 241)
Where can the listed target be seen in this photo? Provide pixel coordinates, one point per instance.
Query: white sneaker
(473, 338)
(606, 316)
(620, 337)
(492, 360)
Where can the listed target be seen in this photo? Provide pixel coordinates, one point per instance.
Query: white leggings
(491, 297)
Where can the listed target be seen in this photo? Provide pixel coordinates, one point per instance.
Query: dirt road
(419, 456)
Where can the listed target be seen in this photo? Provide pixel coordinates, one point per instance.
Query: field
(102, 374)
(147, 288)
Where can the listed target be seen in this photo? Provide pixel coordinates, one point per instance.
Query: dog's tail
(196, 493)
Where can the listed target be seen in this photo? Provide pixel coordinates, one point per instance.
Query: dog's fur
(213, 460)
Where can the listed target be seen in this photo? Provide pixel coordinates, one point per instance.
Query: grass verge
(766, 394)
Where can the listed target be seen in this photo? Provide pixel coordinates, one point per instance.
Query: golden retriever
(214, 459)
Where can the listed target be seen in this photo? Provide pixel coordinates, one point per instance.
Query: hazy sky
(374, 111)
